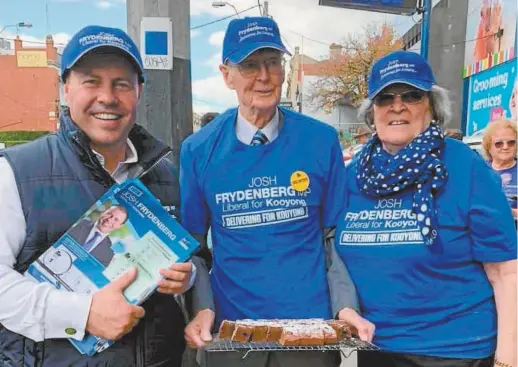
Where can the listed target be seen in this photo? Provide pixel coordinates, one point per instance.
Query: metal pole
(165, 108)
(265, 9)
(425, 27)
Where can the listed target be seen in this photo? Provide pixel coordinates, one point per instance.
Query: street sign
(156, 43)
(402, 7)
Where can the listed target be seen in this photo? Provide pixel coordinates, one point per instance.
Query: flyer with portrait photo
(127, 227)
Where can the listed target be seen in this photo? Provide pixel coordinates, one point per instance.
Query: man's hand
(177, 278)
(365, 328)
(197, 333)
(111, 315)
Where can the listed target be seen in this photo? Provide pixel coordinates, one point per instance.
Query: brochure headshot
(93, 232)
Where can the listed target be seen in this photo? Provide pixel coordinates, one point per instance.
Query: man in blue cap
(269, 183)
(48, 184)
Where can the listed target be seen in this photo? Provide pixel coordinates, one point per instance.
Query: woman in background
(499, 148)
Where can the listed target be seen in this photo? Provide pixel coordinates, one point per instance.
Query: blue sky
(303, 24)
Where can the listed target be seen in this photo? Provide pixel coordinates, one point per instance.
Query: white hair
(439, 102)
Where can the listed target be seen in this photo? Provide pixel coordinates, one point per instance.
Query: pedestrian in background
(499, 148)
(362, 135)
(434, 262)
(208, 117)
(454, 134)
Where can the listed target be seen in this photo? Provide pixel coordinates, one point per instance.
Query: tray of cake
(287, 334)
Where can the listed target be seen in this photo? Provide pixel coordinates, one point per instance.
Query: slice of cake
(312, 335)
(330, 336)
(226, 329)
(291, 336)
(242, 332)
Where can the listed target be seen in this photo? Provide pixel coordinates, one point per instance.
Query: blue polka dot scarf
(417, 166)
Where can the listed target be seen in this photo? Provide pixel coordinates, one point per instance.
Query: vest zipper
(93, 164)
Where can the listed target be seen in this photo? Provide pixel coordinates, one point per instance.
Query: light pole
(17, 25)
(220, 4)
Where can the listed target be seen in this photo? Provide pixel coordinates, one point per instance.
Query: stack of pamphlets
(127, 227)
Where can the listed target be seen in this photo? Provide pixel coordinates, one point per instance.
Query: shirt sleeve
(34, 310)
(490, 220)
(193, 206)
(334, 195)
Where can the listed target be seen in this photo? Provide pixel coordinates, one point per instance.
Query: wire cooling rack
(346, 347)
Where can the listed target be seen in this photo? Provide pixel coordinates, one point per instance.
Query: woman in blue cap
(432, 255)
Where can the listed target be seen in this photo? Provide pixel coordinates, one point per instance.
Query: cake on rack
(288, 332)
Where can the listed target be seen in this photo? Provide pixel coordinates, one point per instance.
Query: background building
(446, 49)
(29, 88)
(304, 72)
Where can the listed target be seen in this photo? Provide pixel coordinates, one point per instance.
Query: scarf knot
(418, 166)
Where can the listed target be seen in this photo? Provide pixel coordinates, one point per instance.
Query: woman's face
(400, 119)
(503, 146)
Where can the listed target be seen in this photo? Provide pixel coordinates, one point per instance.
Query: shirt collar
(245, 130)
(131, 155)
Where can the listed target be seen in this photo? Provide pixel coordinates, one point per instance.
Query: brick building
(29, 87)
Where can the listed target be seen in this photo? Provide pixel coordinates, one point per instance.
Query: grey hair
(439, 102)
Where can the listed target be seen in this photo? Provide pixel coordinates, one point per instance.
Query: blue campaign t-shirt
(423, 302)
(269, 259)
(509, 178)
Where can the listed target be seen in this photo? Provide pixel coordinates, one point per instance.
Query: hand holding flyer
(111, 316)
(126, 229)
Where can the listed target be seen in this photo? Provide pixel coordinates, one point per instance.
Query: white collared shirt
(92, 233)
(37, 310)
(245, 130)
(121, 171)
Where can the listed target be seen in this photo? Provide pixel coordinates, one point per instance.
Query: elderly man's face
(102, 92)
(400, 120)
(257, 80)
(111, 219)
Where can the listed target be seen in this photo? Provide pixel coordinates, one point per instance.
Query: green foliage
(10, 138)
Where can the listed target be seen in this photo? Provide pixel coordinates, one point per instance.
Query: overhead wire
(224, 18)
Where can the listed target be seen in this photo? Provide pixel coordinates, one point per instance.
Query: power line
(431, 46)
(224, 18)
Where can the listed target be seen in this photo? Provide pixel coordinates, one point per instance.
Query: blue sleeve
(193, 207)
(334, 193)
(490, 220)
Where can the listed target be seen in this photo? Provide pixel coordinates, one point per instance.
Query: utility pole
(426, 8)
(165, 108)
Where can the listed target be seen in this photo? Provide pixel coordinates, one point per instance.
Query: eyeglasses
(252, 68)
(500, 144)
(409, 97)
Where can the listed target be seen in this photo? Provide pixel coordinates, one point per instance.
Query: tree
(343, 78)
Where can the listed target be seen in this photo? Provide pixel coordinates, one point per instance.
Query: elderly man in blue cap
(269, 183)
(48, 184)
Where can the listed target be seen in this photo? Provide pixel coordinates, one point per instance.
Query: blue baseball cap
(404, 67)
(93, 37)
(247, 35)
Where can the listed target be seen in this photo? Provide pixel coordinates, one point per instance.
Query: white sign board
(156, 43)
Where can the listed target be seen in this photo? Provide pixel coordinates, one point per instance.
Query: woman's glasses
(500, 143)
(409, 97)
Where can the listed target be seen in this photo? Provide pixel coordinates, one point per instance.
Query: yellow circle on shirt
(299, 181)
